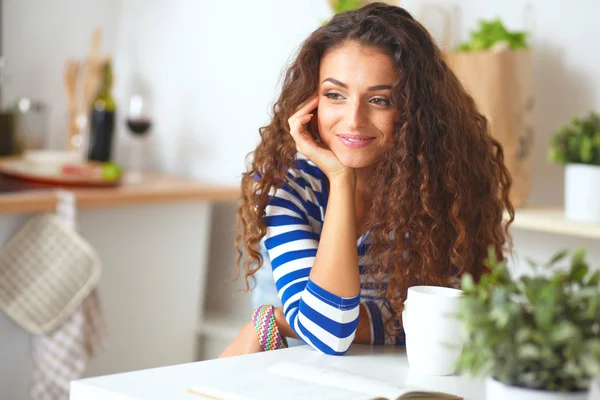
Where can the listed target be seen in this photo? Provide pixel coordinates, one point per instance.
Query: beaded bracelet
(266, 329)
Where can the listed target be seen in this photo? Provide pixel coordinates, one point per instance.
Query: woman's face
(356, 118)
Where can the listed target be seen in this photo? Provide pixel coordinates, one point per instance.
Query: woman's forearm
(335, 267)
(334, 271)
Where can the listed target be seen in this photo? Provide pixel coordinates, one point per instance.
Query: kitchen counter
(154, 189)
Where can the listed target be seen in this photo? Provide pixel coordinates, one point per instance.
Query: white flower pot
(582, 192)
(495, 390)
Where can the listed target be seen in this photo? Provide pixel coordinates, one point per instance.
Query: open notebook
(287, 380)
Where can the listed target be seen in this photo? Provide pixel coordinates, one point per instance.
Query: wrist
(267, 331)
(282, 324)
(343, 179)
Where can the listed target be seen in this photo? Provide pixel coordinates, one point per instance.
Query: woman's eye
(333, 96)
(381, 102)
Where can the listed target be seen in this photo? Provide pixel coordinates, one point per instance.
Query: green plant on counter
(493, 34)
(578, 142)
(340, 6)
(540, 331)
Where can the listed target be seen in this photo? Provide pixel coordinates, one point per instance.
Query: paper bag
(501, 84)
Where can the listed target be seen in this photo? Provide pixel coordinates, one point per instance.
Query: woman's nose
(356, 117)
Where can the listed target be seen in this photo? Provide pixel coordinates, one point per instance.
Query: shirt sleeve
(321, 319)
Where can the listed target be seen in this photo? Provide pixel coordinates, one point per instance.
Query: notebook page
(338, 379)
(273, 387)
(291, 380)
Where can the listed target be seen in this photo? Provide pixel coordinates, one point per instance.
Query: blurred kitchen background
(210, 70)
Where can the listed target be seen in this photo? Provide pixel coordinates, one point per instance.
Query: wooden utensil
(84, 81)
(91, 80)
(70, 77)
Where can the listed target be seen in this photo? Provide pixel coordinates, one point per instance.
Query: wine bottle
(102, 120)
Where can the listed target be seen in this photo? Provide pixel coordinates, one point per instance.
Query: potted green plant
(577, 146)
(340, 6)
(534, 336)
(492, 35)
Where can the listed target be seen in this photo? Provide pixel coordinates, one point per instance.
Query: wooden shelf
(155, 188)
(552, 220)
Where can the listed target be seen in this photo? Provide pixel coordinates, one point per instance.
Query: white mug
(433, 332)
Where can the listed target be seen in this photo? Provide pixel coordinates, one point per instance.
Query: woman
(376, 173)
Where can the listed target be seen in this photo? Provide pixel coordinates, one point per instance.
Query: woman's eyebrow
(370, 88)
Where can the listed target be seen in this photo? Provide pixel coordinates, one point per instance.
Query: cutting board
(53, 172)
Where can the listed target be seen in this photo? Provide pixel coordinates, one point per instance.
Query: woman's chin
(354, 159)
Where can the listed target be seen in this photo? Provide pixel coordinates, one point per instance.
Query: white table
(384, 363)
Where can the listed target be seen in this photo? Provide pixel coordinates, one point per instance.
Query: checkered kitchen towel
(61, 356)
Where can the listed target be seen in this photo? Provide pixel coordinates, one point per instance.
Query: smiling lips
(355, 141)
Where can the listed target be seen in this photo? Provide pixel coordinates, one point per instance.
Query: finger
(304, 141)
(308, 100)
(308, 105)
(297, 125)
(304, 108)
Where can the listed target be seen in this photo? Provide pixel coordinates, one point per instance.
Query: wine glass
(138, 124)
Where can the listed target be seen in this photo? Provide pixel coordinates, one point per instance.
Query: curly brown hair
(442, 180)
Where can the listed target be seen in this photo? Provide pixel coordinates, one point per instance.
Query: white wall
(37, 38)
(212, 69)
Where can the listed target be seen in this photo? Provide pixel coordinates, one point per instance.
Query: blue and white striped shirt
(294, 219)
